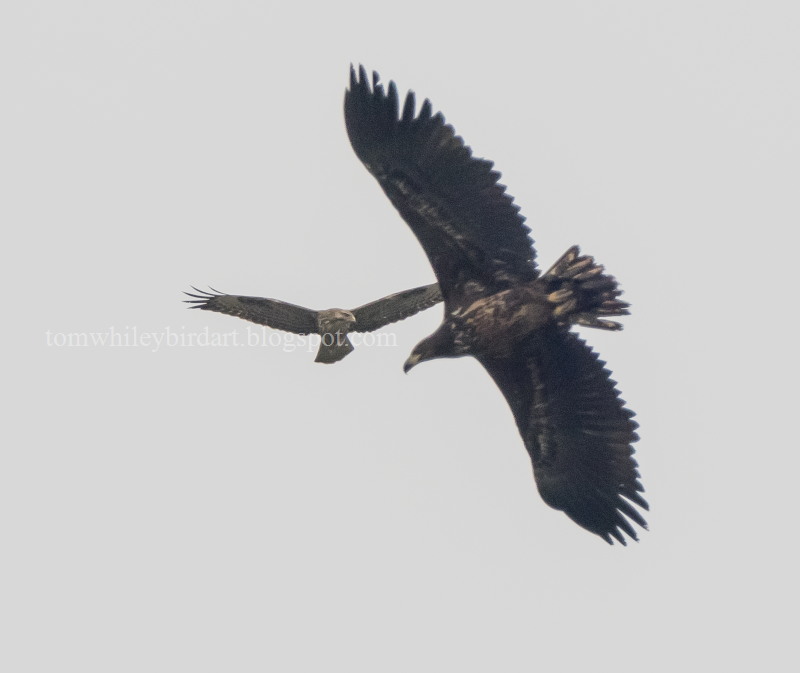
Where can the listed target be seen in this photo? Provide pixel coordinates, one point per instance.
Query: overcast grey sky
(244, 509)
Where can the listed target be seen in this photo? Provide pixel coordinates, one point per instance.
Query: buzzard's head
(335, 319)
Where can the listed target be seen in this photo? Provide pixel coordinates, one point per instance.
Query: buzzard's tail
(333, 347)
(582, 293)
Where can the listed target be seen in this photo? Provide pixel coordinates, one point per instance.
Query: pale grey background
(244, 509)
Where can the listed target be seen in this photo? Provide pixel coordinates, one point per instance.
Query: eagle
(333, 325)
(503, 311)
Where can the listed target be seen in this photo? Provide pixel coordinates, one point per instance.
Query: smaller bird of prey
(333, 325)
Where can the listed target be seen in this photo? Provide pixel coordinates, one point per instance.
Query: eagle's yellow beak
(413, 359)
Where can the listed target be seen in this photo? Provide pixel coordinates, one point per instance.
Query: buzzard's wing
(576, 429)
(270, 312)
(472, 232)
(395, 307)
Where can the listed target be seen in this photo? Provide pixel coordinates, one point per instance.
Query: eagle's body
(333, 325)
(502, 310)
(511, 314)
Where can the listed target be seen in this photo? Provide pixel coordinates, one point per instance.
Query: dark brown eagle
(502, 310)
(333, 325)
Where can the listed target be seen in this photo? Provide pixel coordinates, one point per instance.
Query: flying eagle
(502, 310)
(333, 325)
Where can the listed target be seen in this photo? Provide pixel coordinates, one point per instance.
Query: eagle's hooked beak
(413, 359)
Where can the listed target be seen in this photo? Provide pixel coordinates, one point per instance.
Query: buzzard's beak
(412, 360)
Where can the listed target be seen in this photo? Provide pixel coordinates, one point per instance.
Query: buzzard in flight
(502, 310)
(332, 325)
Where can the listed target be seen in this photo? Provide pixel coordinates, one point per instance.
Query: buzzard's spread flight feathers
(395, 307)
(270, 312)
(501, 311)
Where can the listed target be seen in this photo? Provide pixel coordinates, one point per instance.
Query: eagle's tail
(333, 347)
(582, 293)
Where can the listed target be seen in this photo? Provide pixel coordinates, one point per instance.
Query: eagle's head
(440, 344)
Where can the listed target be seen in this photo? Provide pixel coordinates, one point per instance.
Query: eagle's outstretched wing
(472, 232)
(271, 312)
(397, 306)
(576, 429)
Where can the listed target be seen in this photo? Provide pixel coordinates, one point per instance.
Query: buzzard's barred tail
(334, 347)
(582, 293)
